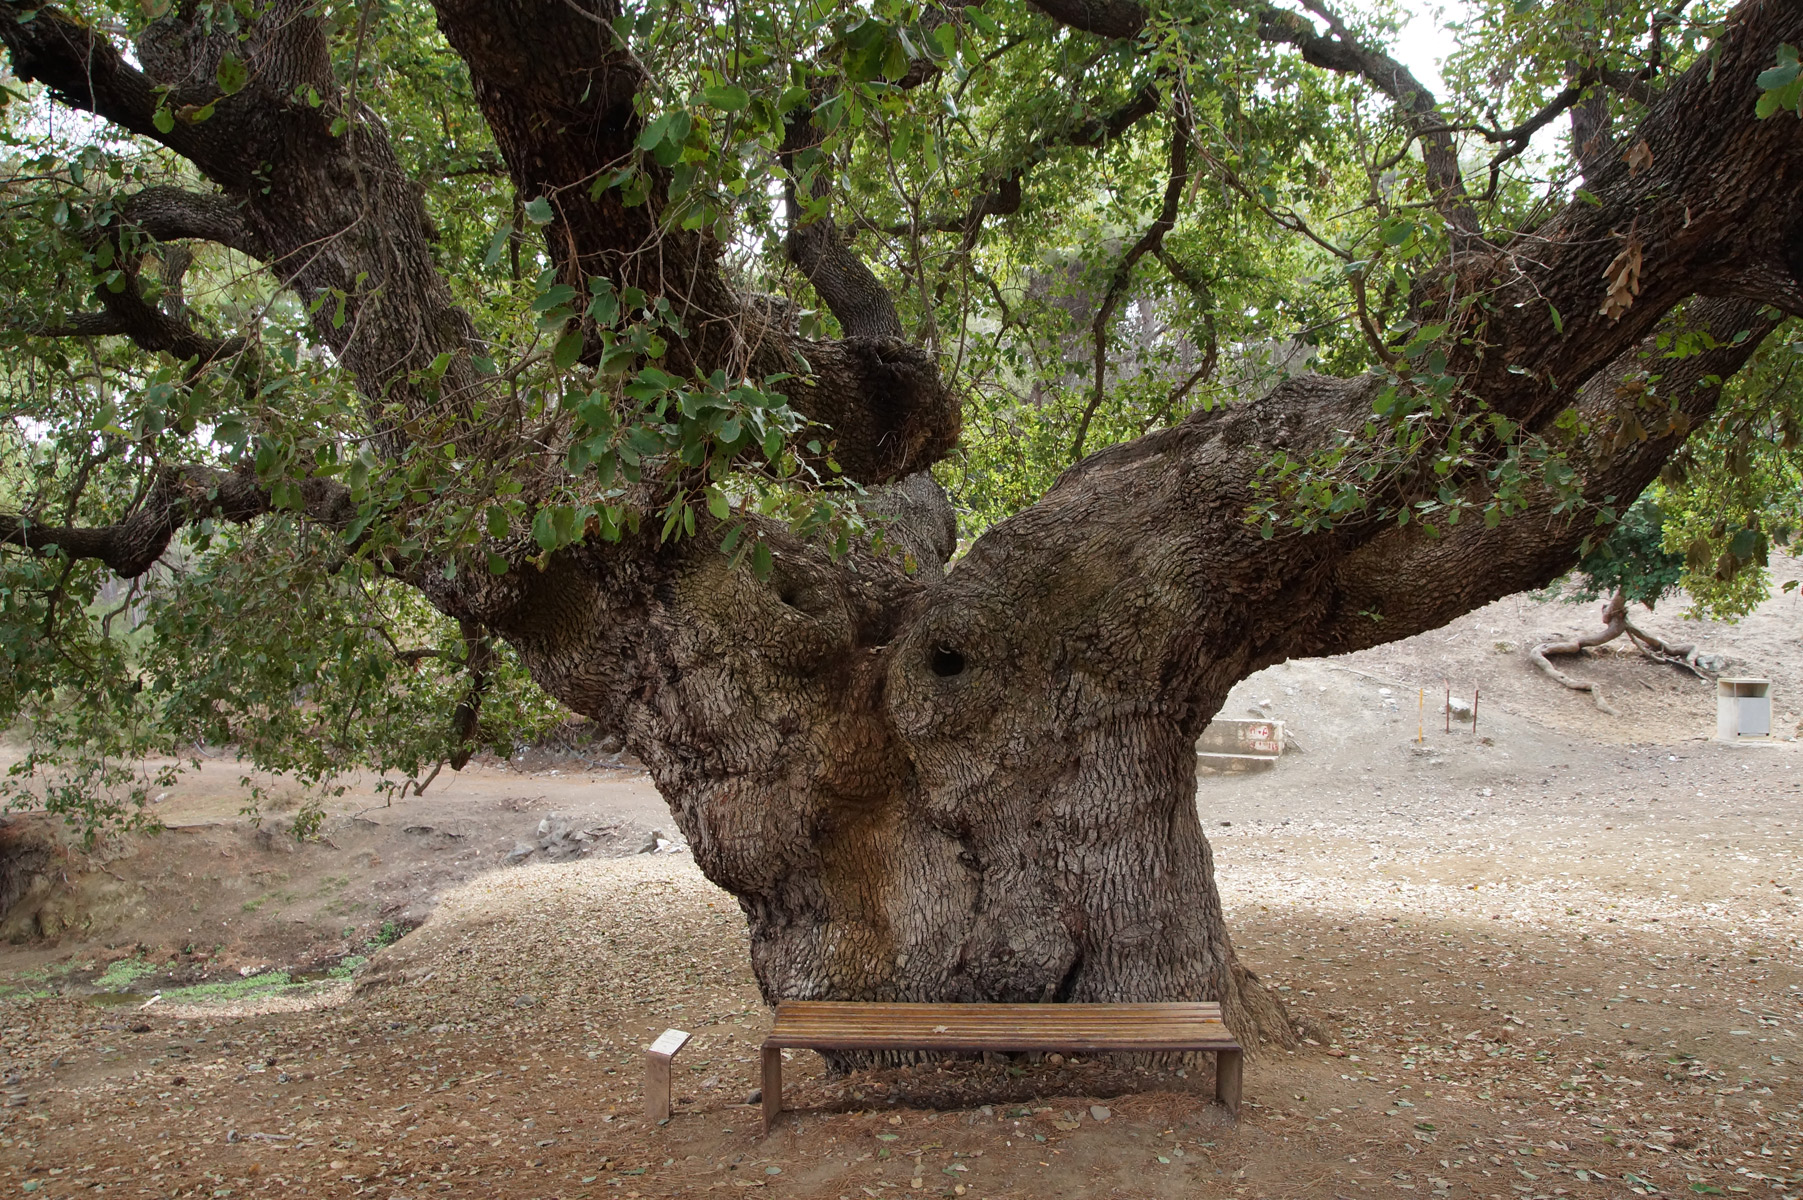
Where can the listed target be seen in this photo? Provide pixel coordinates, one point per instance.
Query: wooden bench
(1082, 1028)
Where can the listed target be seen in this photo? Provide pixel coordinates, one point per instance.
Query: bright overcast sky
(1424, 41)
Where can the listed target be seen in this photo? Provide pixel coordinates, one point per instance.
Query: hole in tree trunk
(1067, 986)
(947, 662)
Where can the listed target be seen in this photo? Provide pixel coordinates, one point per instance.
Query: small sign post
(657, 1072)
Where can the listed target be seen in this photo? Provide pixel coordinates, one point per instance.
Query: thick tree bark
(982, 787)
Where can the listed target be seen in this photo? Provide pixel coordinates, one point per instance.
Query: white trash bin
(1743, 708)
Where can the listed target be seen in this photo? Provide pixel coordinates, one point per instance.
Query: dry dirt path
(1511, 999)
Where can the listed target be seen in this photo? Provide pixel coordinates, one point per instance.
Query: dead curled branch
(1615, 624)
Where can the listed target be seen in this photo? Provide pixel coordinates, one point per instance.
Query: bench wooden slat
(1090, 1028)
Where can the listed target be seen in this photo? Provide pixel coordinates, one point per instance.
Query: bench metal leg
(1229, 1068)
(773, 1085)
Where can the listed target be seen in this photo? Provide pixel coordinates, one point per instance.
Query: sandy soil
(215, 892)
(1554, 957)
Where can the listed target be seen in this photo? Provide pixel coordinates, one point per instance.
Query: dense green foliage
(1306, 202)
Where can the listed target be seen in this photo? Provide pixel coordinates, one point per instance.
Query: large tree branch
(128, 314)
(1708, 205)
(1403, 581)
(180, 496)
(1105, 18)
(814, 244)
(559, 92)
(326, 204)
(83, 69)
(173, 214)
(1342, 53)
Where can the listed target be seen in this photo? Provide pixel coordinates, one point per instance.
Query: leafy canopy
(1302, 221)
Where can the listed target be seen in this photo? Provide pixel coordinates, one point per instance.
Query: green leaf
(163, 119)
(717, 505)
(538, 211)
(982, 21)
(497, 565)
(568, 350)
(652, 136)
(552, 297)
(498, 242)
(729, 98)
(761, 563)
(543, 531)
(232, 74)
(1784, 99)
(1787, 69)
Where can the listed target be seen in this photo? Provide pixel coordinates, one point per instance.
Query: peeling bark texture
(975, 786)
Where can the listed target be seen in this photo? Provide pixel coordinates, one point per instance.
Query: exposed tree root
(1657, 647)
(1615, 623)
(1255, 1014)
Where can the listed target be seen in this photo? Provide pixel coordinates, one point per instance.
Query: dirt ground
(1557, 956)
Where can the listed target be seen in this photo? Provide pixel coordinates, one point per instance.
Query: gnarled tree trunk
(981, 786)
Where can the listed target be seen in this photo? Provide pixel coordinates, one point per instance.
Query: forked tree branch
(128, 313)
(1340, 52)
(84, 70)
(180, 496)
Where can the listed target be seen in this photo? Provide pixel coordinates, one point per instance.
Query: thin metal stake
(1448, 684)
(1474, 692)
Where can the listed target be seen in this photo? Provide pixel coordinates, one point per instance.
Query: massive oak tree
(973, 783)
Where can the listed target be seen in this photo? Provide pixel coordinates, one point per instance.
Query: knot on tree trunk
(883, 401)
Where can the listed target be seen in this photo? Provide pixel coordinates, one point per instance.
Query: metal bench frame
(969, 1028)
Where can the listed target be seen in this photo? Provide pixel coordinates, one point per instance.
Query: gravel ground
(1543, 992)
